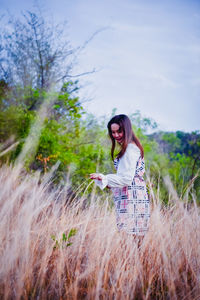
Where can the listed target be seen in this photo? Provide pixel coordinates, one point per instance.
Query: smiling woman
(128, 186)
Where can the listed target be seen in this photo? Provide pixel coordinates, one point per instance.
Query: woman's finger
(95, 176)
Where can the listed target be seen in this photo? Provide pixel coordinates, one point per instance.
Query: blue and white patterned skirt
(132, 207)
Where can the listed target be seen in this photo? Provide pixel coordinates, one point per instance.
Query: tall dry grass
(97, 262)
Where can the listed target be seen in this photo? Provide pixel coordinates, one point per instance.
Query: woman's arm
(125, 172)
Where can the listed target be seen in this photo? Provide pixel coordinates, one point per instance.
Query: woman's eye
(118, 131)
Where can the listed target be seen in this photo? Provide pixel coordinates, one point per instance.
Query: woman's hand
(95, 176)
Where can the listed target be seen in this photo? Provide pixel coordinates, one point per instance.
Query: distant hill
(178, 142)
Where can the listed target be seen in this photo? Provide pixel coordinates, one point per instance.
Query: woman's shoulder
(132, 152)
(132, 148)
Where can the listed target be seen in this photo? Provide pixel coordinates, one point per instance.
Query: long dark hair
(125, 125)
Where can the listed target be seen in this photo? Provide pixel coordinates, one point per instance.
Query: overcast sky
(147, 58)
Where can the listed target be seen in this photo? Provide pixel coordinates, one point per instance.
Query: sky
(146, 55)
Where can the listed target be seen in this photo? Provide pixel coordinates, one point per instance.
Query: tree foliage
(35, 60)
(182, 151)
(34, 53)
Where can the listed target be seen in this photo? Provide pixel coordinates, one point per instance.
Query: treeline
(37, 86)
(182, 153)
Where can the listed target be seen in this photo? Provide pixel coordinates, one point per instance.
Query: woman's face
(117, 133)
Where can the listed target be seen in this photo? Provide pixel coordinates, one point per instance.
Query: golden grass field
(40, 260)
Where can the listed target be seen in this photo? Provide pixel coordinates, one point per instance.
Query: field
(54, 248)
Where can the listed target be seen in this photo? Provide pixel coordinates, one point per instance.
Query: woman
(128, 186)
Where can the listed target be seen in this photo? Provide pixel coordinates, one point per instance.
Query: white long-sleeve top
(125, 171)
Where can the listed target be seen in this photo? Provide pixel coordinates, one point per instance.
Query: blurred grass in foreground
(50, 250)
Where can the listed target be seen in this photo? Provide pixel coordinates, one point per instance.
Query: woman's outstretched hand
(95, 176)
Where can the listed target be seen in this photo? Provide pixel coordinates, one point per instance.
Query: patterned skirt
(132, 207)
